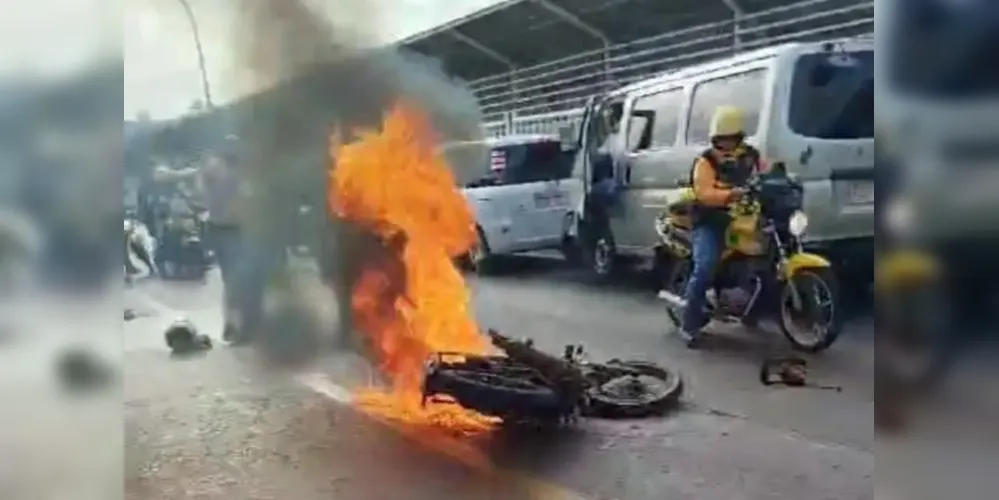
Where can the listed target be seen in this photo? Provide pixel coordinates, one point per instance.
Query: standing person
(223, 186)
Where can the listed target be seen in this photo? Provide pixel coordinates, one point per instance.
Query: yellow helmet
(728, 121)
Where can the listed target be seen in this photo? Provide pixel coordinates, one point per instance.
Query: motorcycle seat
(681, 233)
(681, 208)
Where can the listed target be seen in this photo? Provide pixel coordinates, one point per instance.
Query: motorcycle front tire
(834, 327)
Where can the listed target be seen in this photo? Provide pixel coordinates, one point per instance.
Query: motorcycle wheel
(675, 282)
(650, 390)
(818, 324)
(913, 350)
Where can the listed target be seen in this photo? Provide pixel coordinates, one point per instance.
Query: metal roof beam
(734, 6)
(738, 13)
(575, 21)
(488, 52)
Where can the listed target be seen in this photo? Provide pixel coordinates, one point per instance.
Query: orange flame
(396, 184)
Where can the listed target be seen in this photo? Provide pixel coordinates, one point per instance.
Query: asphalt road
(221, 426)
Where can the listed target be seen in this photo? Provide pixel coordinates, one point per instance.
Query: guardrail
(546, 97)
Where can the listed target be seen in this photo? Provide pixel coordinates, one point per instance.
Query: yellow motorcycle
(762, 246)
(914, 345)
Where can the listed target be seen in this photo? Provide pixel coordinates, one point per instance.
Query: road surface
(221, 426)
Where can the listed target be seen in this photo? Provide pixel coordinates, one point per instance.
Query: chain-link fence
(546, 97)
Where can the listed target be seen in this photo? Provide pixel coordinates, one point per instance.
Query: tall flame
(395, 183)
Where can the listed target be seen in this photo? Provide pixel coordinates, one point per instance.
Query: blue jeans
(707, 250)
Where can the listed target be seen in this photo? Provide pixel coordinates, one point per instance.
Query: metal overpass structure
(533, 63)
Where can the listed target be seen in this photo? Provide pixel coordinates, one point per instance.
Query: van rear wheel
(480, 259)
(602, 254)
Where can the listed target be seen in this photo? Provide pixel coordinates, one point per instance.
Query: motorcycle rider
(717, 178)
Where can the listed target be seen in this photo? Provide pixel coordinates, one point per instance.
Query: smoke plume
(326, 71)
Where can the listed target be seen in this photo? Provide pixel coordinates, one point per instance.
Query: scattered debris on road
(789, 372)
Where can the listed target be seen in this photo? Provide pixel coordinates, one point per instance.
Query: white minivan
(524, 197)
(810, 106)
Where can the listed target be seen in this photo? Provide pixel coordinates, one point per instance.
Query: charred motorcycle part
(638, 389)
(790, 372)
(183, 338)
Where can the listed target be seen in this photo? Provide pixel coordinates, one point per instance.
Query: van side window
(531, 162)
(655, 120)
(744, 90)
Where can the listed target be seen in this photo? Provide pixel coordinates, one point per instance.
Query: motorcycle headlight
(798, 223)
(899, 215)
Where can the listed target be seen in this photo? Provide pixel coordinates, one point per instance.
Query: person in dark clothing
(244, 262)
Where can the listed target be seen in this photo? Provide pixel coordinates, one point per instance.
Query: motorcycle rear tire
(606, 405)
(675, 281)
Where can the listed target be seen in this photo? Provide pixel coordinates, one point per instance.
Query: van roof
(742, 58)
(697, 69)
(507, 140)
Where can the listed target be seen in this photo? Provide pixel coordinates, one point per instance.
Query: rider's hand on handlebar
(735, 194)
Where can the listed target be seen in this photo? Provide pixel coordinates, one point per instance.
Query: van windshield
(944, 49)
(832, 95)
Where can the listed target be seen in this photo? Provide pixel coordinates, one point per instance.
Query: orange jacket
(708, 189)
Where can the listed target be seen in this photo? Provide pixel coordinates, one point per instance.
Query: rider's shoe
(690, 338)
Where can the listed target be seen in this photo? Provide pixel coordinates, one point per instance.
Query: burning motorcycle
(525, 385)
(762, 245)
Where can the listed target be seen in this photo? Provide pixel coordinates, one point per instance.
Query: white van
(524, 196)
(810, 106)
(937, 88)
(938, 108)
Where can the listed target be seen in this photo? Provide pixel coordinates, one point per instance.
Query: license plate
(861, 193)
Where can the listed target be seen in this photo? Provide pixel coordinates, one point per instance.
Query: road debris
(80, 371)
(183, 338)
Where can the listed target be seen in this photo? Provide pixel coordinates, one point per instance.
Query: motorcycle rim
(911, 348)
(676, 283)
(813, 327)
(649, 390)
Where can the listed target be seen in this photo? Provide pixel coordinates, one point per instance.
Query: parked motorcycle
(185, 256)
(762, 245)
